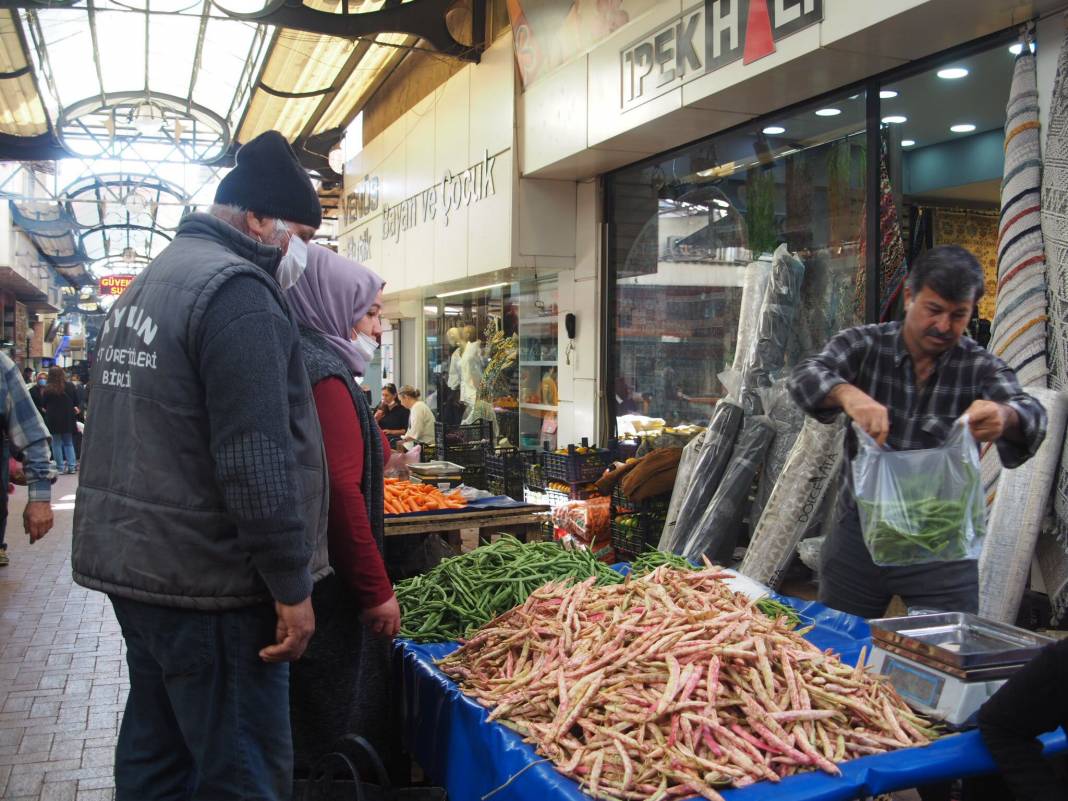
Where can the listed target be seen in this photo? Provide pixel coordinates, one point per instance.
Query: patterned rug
(975, 230)
(892, 263)
(1053, 556)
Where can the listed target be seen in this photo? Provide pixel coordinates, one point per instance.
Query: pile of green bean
(465, 592)
(926, 530)
(651, 560)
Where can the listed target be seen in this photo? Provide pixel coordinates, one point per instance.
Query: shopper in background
(420, 420)
(202, 504)
(24, 433)
(906, 384)
(60, 403)
(391, 415)
(37, 389)
(341, 685)
(80, 398)
(27, 376)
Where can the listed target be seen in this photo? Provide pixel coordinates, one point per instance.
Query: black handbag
(337, 776)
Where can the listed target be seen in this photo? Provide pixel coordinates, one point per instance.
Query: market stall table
(448, 736)
(490, 516)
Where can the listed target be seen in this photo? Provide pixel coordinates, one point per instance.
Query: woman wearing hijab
(341, 686)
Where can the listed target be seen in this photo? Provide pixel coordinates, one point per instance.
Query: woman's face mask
(366, 345)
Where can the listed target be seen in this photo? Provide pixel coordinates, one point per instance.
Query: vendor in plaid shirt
(905, 384)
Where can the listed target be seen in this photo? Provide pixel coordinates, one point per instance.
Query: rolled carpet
(1015, 520)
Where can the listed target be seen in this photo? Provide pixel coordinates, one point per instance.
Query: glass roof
(169, 78)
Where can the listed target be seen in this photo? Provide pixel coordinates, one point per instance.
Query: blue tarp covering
(448, 735)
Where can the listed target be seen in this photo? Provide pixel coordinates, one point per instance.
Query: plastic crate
(573, 467)
(631, 541)
(533, 475)
(475, 477)
(621, 504)
(513, 488)
(504, 464)
(428, 452)
(453, 440)
(535, 497)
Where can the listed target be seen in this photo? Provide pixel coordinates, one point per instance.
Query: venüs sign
(706, 37)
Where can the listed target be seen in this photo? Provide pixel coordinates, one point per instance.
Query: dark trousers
(206, 718)
(851, 582)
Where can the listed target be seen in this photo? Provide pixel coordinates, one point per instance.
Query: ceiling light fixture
(887, 94)
(148, 118)
(952, 73)
(908, 142)
(828, 112)
(723, 204)
(336, 160)
(964, 127)
(469, 291)
(1017, 48)
(774, 130)
(895, 119)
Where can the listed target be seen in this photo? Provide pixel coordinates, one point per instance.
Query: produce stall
(452, 738)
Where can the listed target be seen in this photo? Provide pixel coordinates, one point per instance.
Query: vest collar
(266, 257)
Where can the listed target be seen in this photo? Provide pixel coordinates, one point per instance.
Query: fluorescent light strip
(469, 291)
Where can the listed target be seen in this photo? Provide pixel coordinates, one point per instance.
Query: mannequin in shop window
(451, 410)
(470, 365)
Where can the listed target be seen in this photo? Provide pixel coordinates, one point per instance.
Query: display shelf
(538, 407)
(552, 363)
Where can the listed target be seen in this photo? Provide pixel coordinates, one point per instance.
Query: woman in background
(420, 418)
(341, 684)
(391, 415)
(60, 407)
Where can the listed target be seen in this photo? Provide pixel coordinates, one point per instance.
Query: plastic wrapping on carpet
(1017, 516)
(754, 285)
(717, 532)
(683, 479)
(788, 420)
(796, 500)
(711, 464)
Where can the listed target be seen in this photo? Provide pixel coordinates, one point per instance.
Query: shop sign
(706, 37)
(451, 194)
(114, 285)
(362, 200)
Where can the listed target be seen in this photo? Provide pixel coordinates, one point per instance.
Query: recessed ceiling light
(887, 94)
(964, 127)
(908, 142)
(774, 130)
(1017, 48)
(952, 73)
(828, 112)
(723, 204)
(895, 119)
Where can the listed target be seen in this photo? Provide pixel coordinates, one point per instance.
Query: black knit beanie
(269, 180)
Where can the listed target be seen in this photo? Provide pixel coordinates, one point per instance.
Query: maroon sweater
(353, 551)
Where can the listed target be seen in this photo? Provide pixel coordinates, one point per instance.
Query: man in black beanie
(202, 505)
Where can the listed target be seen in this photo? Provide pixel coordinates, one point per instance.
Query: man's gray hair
(231, 215)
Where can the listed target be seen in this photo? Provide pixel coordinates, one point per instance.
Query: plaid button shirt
(26, 432)
(874, 359)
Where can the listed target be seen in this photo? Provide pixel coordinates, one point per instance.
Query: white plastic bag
(920, 506)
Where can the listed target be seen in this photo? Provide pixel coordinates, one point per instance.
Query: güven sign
(114, 285)
(706, 37)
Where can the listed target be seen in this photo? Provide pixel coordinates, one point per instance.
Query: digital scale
(946, 665)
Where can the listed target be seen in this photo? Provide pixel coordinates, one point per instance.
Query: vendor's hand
(379, 414)
(865, 411)
(37, 518)
(296, 624)
(988, 420)
(384, 619)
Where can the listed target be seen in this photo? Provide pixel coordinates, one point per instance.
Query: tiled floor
(63, 678)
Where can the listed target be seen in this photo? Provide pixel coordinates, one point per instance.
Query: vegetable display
(404, 496)
(935, 526)
(465, 592)
(651, 560)
(673, 685)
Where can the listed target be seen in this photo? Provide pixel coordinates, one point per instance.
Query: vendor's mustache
(936, 334)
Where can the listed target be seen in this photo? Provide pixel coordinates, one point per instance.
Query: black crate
(548, 531)
(504, 464)
(462, 439)
(475, 477)
(573, 467)
(428, 452)
(533, 475)
(621, 504)
(631, 541)
(513, 488)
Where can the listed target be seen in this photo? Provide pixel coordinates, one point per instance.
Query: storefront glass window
(691, 229)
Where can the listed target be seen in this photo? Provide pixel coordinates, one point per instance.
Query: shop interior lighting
(472, 290)
(828, 112)
(895, 119)
(964, 127)
(908, 142)
(723, 204)
(887, 94)
(952, 73)
(1017, 48)
(774, 130)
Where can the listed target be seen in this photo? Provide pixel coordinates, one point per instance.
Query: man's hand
(990, 421)
(384, 619)
(866, 412)
(37, 519)
(296, 624)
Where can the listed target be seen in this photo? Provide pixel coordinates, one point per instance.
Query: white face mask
(291, 268)
(366, 345)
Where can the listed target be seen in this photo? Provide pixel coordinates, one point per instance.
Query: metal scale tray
(958, 643)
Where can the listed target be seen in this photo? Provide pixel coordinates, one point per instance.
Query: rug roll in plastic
(717, 532)
(1017, 515)
(711, 464)
(811, 469)
(788, 419)
(754, 285)
(683, 479)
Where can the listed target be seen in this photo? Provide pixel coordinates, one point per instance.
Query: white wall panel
(492, 103)
(587, 230)
(489, 220)
(554, 116)
(547, 218)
